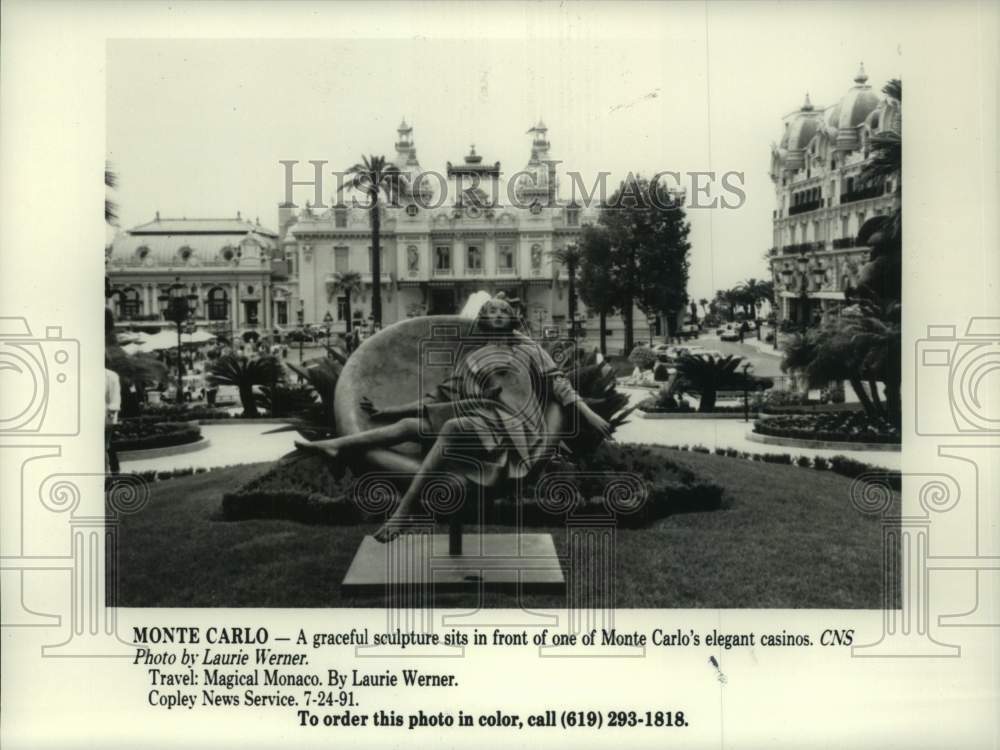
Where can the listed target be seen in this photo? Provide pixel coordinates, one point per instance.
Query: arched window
(131, 304)
(218, 304)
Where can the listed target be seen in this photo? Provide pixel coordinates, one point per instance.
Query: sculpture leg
(401, 432)
(453, 432)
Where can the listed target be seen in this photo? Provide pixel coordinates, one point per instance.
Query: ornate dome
(854, 107)
(799, 131)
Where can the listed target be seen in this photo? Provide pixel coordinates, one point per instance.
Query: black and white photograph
(476, 324)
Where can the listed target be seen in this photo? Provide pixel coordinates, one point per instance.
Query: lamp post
(650, 322)
(540, 315)
(747, 367)
(301, 317)
(327, 325)
(178, 310)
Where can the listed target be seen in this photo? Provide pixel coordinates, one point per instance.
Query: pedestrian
(112, 406)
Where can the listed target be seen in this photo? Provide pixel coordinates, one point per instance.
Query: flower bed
(843, 427)
(653, 405)
(152, 413)
(303, 487)
(138, 435)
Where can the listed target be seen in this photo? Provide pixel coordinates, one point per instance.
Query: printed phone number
(616, 719)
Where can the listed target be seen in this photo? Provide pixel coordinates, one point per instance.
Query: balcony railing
(860, 194)
(801, 247)
(843, 242)
(805, 207)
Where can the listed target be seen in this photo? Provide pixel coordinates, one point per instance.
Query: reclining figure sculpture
(498, 404)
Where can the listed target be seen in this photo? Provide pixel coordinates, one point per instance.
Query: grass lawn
(786, 537)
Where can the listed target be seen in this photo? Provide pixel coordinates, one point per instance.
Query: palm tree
(874, 330)
(882, 277)
(375, 176)
(347, 283)
(245, 374)
(704, 306)
(569, 256)
(707, 374)
(110, 207)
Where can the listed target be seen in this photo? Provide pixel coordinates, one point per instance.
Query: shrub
(852, 469)
(134, 435)
(780, 397)
(776, 458)
(642, 357)
(178, 413)
(820, 463)
(803, 461)
(661, 373)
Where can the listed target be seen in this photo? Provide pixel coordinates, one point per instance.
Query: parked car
(689, 331)
(730, 332)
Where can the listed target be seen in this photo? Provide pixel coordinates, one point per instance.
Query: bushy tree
(647, 233)
(597, 284)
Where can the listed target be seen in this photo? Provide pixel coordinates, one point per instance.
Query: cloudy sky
(197, 127)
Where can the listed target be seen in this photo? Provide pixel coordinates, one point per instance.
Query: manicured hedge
(136, 435)
(178, 413)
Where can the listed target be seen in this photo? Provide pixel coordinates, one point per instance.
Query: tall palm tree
(569, 256)
(245, 374)
(347, 283)
(704, 306)
(375, 177)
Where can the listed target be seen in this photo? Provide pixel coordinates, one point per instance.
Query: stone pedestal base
(525, 563)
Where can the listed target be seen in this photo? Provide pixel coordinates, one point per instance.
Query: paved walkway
(228, 444)
(725, 433)
(247, 443)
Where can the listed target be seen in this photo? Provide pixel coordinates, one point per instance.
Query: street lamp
(747, 367)
(178, 310)
(650, 322)
(301, 316)
(328, 324)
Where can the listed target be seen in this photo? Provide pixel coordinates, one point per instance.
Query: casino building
(821, 204)
(462, 233)
(232, 268)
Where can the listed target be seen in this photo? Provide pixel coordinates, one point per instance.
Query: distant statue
(413, 260)
(489, 412)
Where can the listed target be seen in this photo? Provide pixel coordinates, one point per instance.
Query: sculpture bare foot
(394, 527)
(327, 451)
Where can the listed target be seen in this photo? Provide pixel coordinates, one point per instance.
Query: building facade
(231, 268)
(821, 203)
(466, 229)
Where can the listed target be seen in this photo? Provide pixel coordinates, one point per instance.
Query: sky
(197, 127)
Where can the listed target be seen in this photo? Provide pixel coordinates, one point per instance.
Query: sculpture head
(497, 316)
